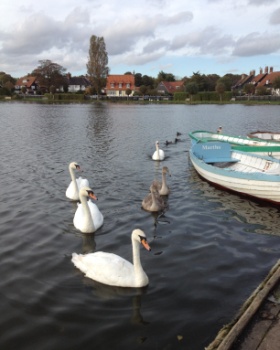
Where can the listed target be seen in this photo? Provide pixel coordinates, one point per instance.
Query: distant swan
(153, 201)
(88, 217)
(162, 187)
(113, 270)
(159, 153)
(72, 191)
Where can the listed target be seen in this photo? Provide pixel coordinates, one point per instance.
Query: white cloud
(151, 33)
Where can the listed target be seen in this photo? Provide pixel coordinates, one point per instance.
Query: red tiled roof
(120, 79)
(26, 81)
(172, 86)
(269, 78)
(258, 78)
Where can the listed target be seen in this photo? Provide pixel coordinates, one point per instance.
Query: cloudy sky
(146, 36)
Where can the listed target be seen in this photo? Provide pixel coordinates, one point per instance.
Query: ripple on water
(210, 249)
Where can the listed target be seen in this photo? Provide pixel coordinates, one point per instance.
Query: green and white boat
(257, 146)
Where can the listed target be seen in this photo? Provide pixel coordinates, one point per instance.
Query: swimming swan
(159, 153)
(113, 270)
(162, 187)
(153, 201)
(72, 191)
(88, 217)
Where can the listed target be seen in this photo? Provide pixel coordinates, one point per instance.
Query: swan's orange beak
(92, 196)
(145, 244)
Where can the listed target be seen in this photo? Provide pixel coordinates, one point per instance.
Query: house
(263, 79)
(117, 85)
(245, 79)
(77, 83)
(27, 82)
(268, 80)
(169, 87)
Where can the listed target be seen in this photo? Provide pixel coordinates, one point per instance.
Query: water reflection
(262, 217)
(133, 296)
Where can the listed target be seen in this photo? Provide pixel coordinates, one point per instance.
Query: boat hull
(257, 185)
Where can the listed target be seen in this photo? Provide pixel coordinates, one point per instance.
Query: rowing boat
(242, 172)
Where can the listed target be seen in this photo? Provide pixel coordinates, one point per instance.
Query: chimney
(271, 70)
(253, 72)
(261, 71)
(266, 69)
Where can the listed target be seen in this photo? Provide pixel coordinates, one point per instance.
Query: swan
(162, 187)
(153, 201)
(159, 153)
(72, 191)
(88, 217)
(113, 270)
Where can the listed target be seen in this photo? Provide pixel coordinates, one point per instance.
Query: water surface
(210, 249)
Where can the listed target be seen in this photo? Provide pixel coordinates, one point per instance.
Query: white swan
(112, 269)
(162, 187)
(72, 191)
(159, 153)
(88, 217)
(153, 201)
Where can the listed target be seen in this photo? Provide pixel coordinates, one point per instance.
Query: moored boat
(265, 135)
(239, 143)
(245, 173)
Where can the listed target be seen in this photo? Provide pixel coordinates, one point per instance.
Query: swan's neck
(157, 148)
(163, 185)
(138, 269)
(73, 178)
(87, 214)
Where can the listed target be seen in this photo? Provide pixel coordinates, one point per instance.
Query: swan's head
(153, 187)
(157, 143)
(87, 192)
(74, 166)
(165, 170)
(139, 236)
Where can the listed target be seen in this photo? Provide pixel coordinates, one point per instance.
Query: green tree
(276, 83)
(128, 92)
(143, 89)
(191, 89)
(162, 76)
(97, 66)
(261, 90)
(220, 89)
(199, 80)
(49, 73)
(249, 89)
(148, 81)
(138, 79)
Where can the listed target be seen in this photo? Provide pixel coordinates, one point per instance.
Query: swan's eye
(77, 166)
(142, 238)
(90, 193)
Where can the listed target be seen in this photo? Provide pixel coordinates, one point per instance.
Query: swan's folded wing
(82, 182)
(110, 269)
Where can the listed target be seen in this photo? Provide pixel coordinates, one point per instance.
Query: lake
(210, 249)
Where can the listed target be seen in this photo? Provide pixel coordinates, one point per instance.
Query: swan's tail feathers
(77, 260)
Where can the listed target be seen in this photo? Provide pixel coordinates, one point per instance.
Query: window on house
(112, 85)
(128, 85)
(120, 85)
